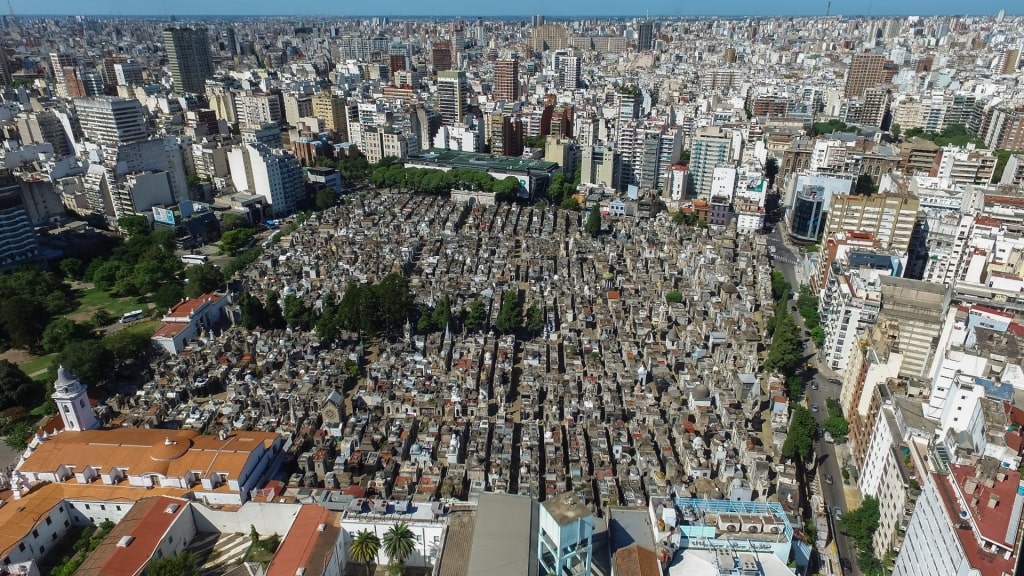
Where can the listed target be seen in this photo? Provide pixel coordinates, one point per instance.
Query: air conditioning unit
(730, 527)
(753, 528)
(775, 529)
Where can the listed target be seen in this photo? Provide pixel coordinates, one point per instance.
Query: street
(828, 464)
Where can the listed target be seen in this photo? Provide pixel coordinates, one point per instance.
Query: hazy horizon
(576, 9)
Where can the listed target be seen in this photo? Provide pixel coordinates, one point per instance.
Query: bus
(195, 259)
(131, 316)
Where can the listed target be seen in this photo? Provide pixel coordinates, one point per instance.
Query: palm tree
(364, 548)
(398, 543)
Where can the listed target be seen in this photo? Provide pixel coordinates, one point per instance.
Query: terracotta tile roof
(306, 546)
(189, 307)
(146, 522)
(171, 453)
(19, 517)
(635, 560)
(169, 329)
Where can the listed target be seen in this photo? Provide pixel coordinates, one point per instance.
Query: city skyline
(576, 8)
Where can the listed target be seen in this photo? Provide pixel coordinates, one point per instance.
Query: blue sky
(470, 8)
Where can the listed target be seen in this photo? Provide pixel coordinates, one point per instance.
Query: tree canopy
(378, 309)
(399, 543)
(202, 279)
(89, 360)
(593, 225)
(364, 548)
(800, 439)
(16, 388)
(861, 523)
(184, 564)
(510, 315)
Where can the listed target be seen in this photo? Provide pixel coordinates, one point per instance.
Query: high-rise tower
(188, 55)
(451, 96)
(866, 71)
(506, 80)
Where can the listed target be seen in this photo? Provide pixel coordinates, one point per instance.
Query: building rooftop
(170, 453)
(308, 546)
(505, 536)
(566, 508)
(145, 524)
(479, 161)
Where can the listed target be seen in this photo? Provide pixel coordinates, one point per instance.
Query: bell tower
(73, 403)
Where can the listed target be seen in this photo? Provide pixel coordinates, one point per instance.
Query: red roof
(169, 329)
(188, 307)
(992, 522)
(297, 549)
(147, 535)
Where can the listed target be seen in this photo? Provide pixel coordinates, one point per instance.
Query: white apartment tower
(272, 173)
(107, 120)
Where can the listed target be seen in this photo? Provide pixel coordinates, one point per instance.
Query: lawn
(146, 327)
(39, 363)
(92, 299)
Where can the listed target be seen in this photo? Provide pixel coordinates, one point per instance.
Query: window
(53, 537)
(81, 403)
(21, 547)
(118, 508)
(35, 533)
(87, 507)
(66, 523)
(42, 549)
(49, 521)
(103, 506)
(61, 509)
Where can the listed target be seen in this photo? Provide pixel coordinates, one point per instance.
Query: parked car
(828, 479)
(838, 513)
(814, 407)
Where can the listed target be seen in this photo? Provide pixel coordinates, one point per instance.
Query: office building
(645, 39)
(128, 74)
(65, 76)
(332, 108)
(549, 37)
(296, 108)
(505, 134)
(506, 80)
(231, 42)
(111, 120)
(46, 126)
(712, 147)
(912, 314)
(384, 142)
(441, 57)
(866, 71)
(889, 218)
(600, 166)
(188, 57)
(452, 96)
